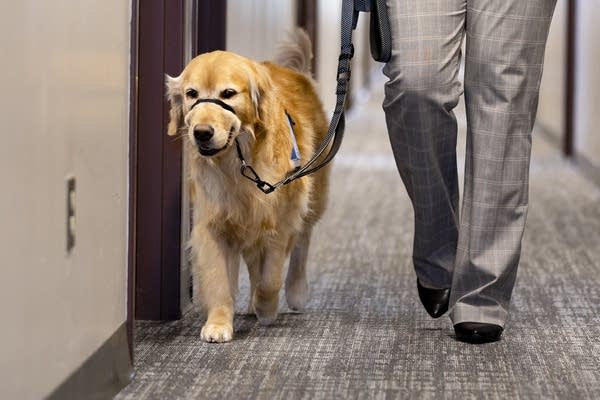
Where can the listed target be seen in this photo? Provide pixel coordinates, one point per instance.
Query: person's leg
(422, 90)
(504, 56)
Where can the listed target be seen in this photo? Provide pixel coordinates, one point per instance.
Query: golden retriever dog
(232, 218)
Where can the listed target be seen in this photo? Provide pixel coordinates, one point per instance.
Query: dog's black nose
(203, 133)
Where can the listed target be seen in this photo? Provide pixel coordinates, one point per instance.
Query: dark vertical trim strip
(149, 161)
(158, 177)
(571, 80)
(172, 178)
(210, 26)
(194, 23)
(158, 185)
(307, 18)
(133, 102)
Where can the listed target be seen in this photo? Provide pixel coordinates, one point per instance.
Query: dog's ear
(261, 91)
(175, 98)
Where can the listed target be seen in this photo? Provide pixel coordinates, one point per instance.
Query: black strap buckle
(342, 79)
(266, 187)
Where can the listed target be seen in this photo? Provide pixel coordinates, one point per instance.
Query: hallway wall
(254, 27)
(328, 25)
(587, 101)
(64, 111)
(551, 108)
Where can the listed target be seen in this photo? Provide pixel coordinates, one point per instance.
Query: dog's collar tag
(295, 156)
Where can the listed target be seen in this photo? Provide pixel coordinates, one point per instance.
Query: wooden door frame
(155, 163)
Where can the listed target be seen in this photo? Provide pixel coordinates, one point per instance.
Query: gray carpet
(365, 334)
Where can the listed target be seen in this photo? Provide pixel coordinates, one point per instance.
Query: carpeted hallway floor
(366, 336)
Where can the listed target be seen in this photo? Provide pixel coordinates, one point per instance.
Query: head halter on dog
(246, 169)
(214, 101)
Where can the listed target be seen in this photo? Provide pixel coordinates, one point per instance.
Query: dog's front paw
(217, 333)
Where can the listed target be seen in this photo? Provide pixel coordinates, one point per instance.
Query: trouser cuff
(462, 312)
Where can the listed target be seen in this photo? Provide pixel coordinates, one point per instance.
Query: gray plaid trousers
(476, 254)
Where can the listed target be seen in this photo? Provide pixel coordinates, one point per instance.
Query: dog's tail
(296, 52)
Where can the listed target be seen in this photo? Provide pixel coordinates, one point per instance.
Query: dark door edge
(131, 240)
(570, 79)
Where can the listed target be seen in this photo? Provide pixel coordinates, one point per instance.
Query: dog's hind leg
(268, 282)
(253, 261)
(233, 271)
(296, 282)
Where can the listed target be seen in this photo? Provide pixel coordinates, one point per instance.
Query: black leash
(380, 50)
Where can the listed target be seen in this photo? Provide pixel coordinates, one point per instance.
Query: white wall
(254, 27)
(329, 15)
(64, 111)
(587, 101)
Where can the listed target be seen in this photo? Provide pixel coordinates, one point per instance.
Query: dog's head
(217, 97)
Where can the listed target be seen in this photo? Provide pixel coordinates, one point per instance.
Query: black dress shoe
(476, 332)
(435, 301)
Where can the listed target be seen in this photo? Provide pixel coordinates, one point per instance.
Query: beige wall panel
(587, 101)
(64, 112)
(551, 107)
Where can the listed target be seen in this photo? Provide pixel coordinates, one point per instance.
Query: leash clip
(249, 173)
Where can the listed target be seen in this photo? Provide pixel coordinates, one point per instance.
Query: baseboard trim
(550, 134)
(103, 374)
(587, 168)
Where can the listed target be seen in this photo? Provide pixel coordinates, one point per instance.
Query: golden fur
(232, 217)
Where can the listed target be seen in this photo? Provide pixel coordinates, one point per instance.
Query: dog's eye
(191, 93)
(228, 93)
